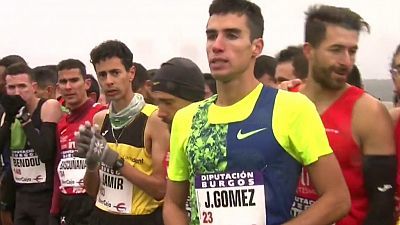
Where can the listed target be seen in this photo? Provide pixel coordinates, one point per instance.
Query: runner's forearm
(174, 215)
(92, 181)
(43, 141)
(152, 185)
(326, 208)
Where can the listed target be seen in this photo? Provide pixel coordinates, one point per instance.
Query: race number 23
(207, 217)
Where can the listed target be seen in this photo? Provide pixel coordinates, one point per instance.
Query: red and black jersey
(66, 163)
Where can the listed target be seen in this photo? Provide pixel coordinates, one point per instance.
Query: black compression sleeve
(4, 131)
(43, 141)
(380, 183)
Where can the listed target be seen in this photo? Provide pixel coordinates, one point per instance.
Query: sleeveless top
(228, 153)
(337, 120)
(70, 169)
(116, 194)
(30, 174)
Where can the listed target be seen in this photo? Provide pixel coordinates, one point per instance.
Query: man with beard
(359, 128)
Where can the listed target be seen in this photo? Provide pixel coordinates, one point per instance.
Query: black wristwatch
(23, 115)
(119, 163)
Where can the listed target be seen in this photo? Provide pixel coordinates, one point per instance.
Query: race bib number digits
(207, 217)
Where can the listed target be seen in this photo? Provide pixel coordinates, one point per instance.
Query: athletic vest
(70, 169)
(337, 120)
(116, 194)
(235, 153)
(30, 174)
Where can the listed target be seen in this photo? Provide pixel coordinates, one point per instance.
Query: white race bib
(115, 192)
(231, 198)
(71, 172)
(27, 167)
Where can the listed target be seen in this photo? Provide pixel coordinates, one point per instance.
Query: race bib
(231, 198)
(115, 192)
(27, 167)
(305, 194)
(71, 172)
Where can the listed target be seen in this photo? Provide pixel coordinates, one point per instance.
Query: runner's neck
(233, 91)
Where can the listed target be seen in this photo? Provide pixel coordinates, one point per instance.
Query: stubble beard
(323, 76)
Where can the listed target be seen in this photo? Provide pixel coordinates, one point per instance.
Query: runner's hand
(101, 149)
(287, 85)
(82, 140)
(11, 105)
(97, 146)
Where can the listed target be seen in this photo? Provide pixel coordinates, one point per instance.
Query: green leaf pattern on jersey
(206, 150)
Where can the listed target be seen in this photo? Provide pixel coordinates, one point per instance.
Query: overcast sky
(48, 31)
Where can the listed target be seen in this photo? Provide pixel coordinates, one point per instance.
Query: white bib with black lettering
(231, 198)
(71, 172)
(27, 167)
(115, 192)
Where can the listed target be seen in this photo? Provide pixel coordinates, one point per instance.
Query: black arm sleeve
(43, 141)
(380, 183)
(4, 132)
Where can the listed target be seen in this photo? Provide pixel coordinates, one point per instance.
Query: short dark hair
(45, 75)
(141, 76)
(11, 59)
(19, 68)
(295, 55)
(397, 52)
(287, 54)
(300, 66)
(94, 86)
(265, 64)
(252, 11)
(109, 49)
(319, 16)
(68, 64)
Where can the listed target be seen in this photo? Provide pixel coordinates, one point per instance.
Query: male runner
(32, 145)
(358, 126)
(176, 84)
(240, 152)
(129, 183)
(71, 204)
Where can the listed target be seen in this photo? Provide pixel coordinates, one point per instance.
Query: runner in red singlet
(71, 205)
(358, 126)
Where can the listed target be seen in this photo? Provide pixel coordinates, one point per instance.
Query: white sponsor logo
(384, 188)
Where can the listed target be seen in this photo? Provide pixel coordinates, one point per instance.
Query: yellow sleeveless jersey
(116, 194)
